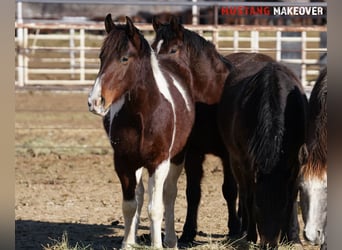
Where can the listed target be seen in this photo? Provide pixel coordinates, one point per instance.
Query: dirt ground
(65, 180)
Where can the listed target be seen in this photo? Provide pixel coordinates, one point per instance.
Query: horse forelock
(116, 43)
(318, 133)
(314, 168)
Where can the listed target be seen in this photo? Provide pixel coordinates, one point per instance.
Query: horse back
(262, 113)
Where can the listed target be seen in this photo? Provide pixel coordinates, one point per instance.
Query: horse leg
(169, 196)
(131, 204)
(194, 173)
(155, 206)
(246, 194)
(235, 167)
(229, 190)
(290, 231)
(251, 228)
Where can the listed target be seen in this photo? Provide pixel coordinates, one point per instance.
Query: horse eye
(124, 59)
(173, 50)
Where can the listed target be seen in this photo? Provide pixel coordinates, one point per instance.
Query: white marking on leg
(159, 46)
(183, 93)
(129, 209)
(164, 90)
(139, 192)
(169, 196)
(156, 207)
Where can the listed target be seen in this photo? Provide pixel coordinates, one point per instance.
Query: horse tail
(269, 103)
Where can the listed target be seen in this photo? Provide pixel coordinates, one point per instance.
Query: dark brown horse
(262, 120)
(209, 70)
(148, 115)
(313, 178)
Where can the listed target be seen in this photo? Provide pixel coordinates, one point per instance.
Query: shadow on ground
(36, 234)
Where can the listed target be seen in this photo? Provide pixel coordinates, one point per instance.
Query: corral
(64, 170)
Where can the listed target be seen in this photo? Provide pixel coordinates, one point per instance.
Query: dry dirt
(65, 181)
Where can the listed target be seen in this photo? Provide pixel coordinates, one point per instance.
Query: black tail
(268, 96)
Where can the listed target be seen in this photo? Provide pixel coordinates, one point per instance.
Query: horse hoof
(186, 239)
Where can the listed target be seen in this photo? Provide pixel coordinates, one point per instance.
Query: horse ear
(303, 155)
(132, 33)
(109, 24)
(130, 27)
(156, 23)
(176, 26)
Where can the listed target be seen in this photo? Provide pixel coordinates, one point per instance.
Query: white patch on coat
(114, 110)
(163, 87)
(160, 43)
(183, 92)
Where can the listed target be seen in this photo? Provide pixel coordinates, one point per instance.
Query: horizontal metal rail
(74, 55)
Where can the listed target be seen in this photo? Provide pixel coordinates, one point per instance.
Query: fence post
(82, 55)
(20, 37)
(195, 12)
(303, 63)
(236, 41)
(255, 41)
(72, 51)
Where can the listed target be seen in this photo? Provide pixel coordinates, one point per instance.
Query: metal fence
(65, 52)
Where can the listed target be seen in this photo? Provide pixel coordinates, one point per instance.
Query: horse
(209, 71)
(262, 121)
(148, 113)
(313, 176)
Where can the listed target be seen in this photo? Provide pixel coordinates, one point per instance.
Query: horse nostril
(102, 101)
(320, 236)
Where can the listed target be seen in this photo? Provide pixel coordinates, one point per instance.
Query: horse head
(169, 36)
(122, 47)
(313, 197)
(313, 174)
(313, 201)
(208, 68)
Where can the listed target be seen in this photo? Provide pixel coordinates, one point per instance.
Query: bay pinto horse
(209, 71)
(148, 115)
(313, 176)
(262, 120)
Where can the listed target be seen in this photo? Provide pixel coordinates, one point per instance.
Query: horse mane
(317, 132)
(197, 44)
(263, 92)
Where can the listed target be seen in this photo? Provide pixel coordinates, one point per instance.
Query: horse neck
(144, 87)
(209, 74)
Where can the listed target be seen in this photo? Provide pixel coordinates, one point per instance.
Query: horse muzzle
(97, 106)
(314, 237)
